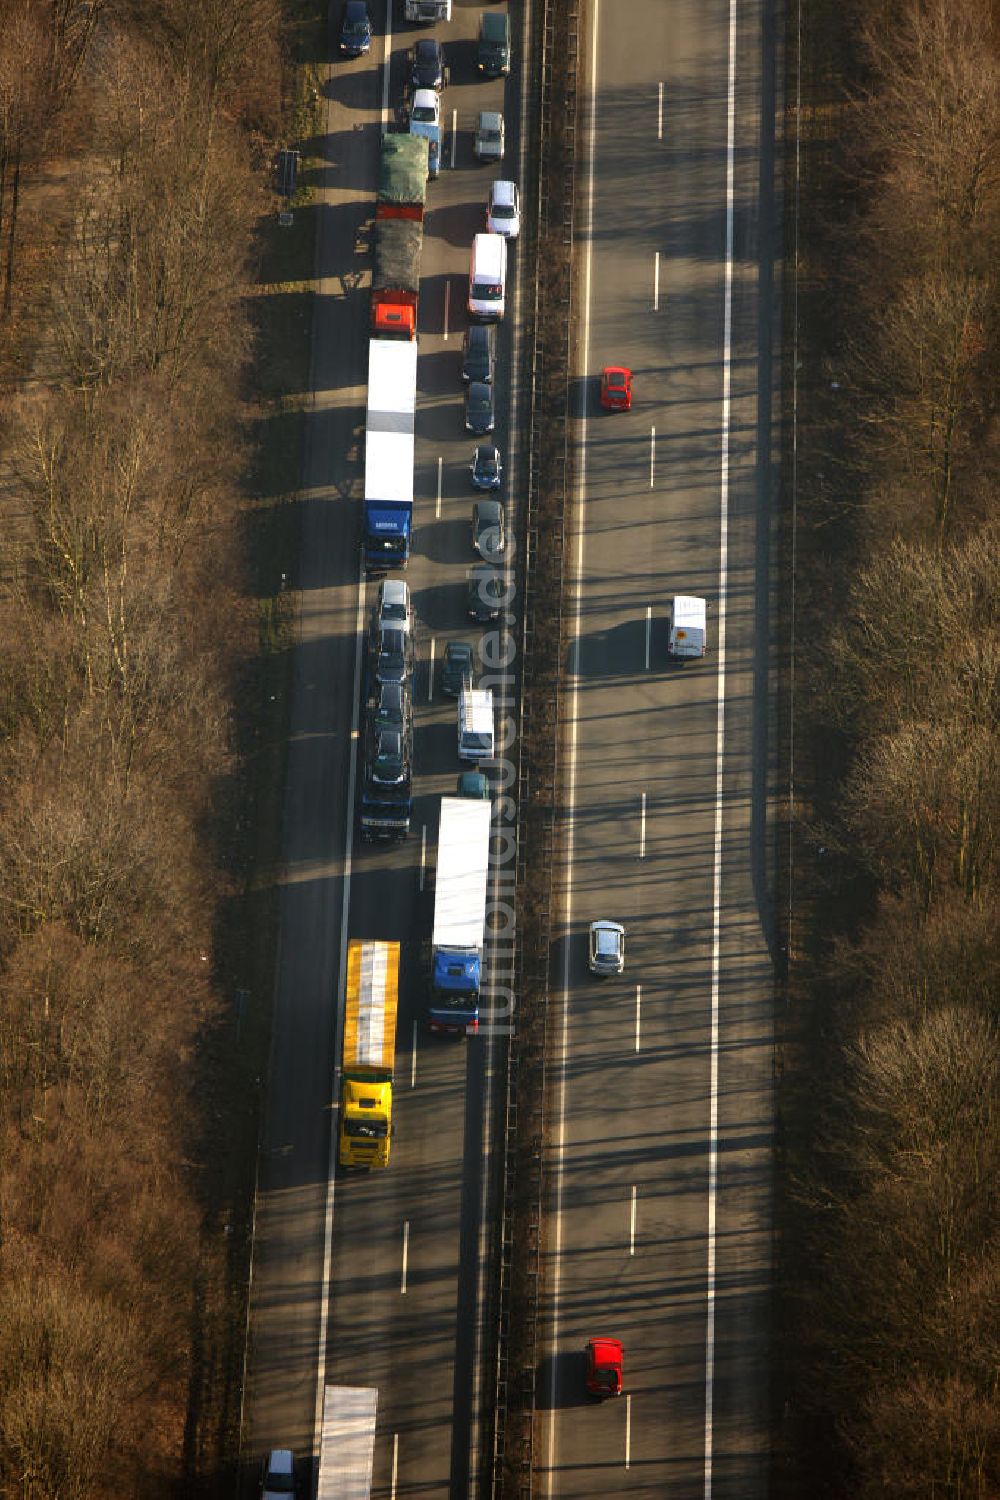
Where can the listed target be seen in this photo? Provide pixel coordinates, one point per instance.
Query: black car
(479, 409)
(486, 467)
(456, 669)
(488, 530)
(485, 594)
(355, 29)
(391, 707)
(390, 760)
(479, 352)
(427, 69)
(391, 657)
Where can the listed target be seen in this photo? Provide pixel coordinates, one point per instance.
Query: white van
(687, 628)
(488, 276)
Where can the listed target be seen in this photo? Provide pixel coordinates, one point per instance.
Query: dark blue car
(355, 29)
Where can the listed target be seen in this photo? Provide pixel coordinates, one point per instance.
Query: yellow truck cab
(370, 1007)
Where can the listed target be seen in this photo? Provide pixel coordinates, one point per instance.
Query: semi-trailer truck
(459, 914)
(370, 1007)
(392, 403)
(347, 1444)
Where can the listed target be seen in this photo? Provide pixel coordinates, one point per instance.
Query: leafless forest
(891, 1097)
(134, 140)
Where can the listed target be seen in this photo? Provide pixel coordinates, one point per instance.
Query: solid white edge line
(386, 59)
(437, 508)
(413, 1056)
(652, 457)
(423, 854)
(447, 305)
(430, 673)
(628, 1431)
(649, 632)
(631, 1231)
(559, 1150)
(713, 1133)
(395, 1464)
(406, 1252)
(642, 827)
(659, 113)
(454, 133)
(638, 1015)
(341, 982)
(656, 281)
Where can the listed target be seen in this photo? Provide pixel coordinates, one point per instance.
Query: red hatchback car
(604, 1367)
(616, 388)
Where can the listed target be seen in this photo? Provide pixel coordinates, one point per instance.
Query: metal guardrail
(549, 477)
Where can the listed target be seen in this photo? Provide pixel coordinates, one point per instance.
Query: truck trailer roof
(462, 873)
(370, 1007)
(347, 1447)
(402, 177)
(392, 402)
(398, 243)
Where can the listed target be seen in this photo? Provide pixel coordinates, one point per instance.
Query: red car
(616, 388)
(604, 1367)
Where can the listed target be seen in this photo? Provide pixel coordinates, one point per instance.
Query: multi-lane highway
(377, 1280)
(658, 1228)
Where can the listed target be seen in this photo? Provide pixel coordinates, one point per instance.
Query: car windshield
(473, 741)
(424, 112)
(503, 211)
(280, 1484)
(489, 137)
(366, 1130)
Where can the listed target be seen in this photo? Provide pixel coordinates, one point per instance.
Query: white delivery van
(475, 724)
(488, 276)
(687, 628)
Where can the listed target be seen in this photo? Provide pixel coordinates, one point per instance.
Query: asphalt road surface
(377, 1279)
(659, 1214)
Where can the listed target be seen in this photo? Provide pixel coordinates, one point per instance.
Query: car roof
(606, 1351)
(489, 510)
(425, 98)
(480, 333)
(393, 591)
(503, 192)
(280, 1460)
(480, 390)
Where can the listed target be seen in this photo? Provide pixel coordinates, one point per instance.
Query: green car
(474, 784)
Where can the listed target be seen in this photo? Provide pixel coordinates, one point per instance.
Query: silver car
(607, 948)
(488, 145)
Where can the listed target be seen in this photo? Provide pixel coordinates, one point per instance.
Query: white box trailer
(389, 451)
(687, 628)
(347, 1447)
(460, 889)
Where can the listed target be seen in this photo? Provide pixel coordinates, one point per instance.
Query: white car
(503, 211)
(607, 948)
(426, 107)
(278, 1477)
(488, 145)
(392, 607)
